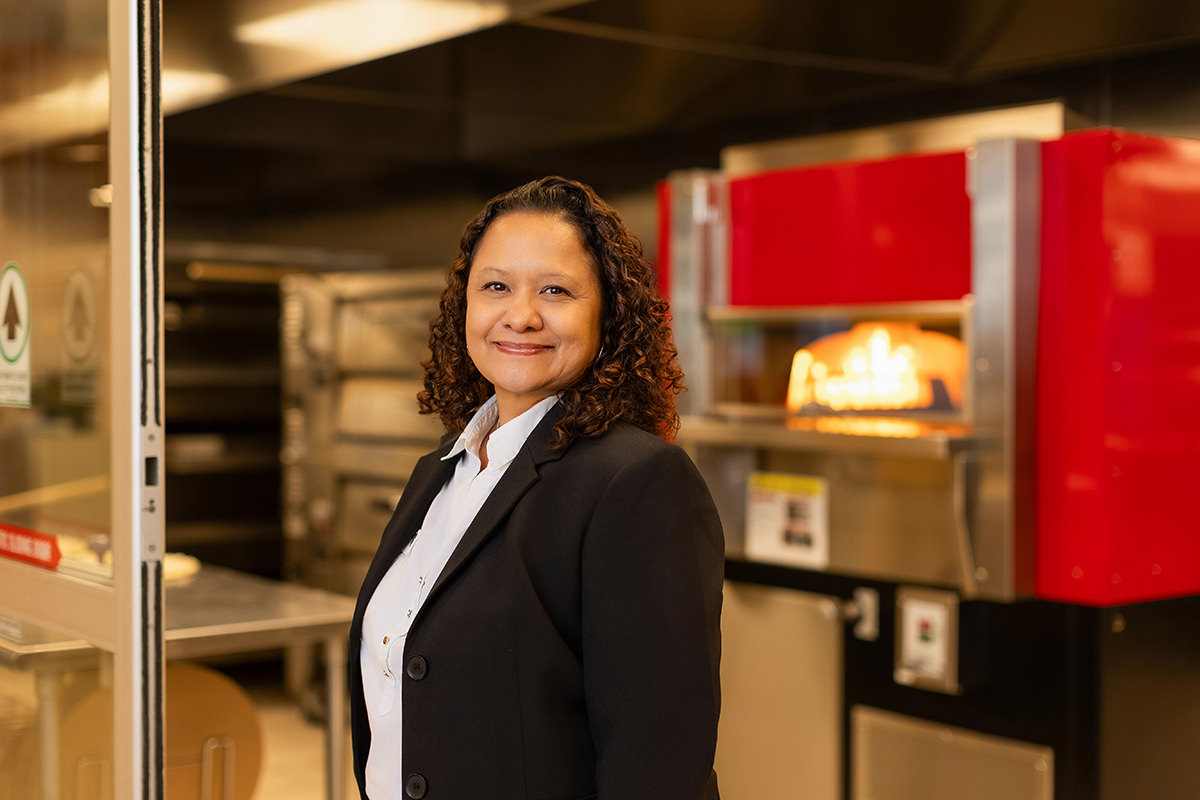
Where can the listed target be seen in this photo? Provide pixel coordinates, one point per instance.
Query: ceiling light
(180, 87)
(365, 29)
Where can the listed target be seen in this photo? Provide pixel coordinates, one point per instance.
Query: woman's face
(533, 309)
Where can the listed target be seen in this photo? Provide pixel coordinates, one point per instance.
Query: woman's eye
(556, 290)
(494, 286)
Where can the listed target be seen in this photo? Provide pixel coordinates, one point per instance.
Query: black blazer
(570, 648)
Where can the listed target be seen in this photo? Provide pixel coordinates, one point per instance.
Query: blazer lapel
(423, 486)
(520, 475)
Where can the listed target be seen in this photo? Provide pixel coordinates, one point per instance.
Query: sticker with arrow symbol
(77, 340)
(79, 317)
(14, 337)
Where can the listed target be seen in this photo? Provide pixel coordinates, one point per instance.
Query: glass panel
(55, 390)
(56, 716)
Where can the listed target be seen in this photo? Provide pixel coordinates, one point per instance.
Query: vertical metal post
(1004, 178)
(335, 729)
(699, 276)
(48, 711)
(137, 414)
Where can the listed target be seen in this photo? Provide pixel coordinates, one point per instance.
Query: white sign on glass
(14, 337)
(78, 340)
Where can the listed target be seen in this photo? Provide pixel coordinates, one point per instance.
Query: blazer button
(415, 786)
(416, 668)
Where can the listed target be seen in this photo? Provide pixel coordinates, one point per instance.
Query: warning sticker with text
(21, 544)
(787, 519)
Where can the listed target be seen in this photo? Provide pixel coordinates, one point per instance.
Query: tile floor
(293, 748)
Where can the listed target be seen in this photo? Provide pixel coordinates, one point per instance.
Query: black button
(415, 786)
(416, 668)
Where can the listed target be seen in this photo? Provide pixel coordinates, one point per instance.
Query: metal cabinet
(781, 695)
(897, 757)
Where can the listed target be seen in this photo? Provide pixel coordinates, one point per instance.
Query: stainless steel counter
(903, 438)
(219, 611)
(223, 611)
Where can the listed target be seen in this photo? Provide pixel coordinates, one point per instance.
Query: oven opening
(878, 367)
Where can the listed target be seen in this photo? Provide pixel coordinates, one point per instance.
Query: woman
(543, 611)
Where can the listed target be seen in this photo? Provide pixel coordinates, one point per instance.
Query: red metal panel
(1119, 369)
(663, 264)
(1071, 557)
(861, 232)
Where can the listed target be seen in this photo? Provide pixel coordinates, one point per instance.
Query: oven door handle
(965, 471)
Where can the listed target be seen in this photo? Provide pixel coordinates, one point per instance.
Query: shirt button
(415, 787)
(409, 614)
(416, 668)
(385, 640)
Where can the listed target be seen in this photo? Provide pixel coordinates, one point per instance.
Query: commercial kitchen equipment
(949, 399)
(352, 348)
(222, 314)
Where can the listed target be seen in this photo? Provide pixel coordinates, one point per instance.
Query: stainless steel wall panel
(727, 471)
(375, 459)
(699, 275)
(942, 134)
(363, 509)
(374, 335)
(383, 407)
(897, 757)
(889, 518)
(781, 682)
(1004, 178)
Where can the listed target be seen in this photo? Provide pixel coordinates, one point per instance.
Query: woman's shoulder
(624, 444)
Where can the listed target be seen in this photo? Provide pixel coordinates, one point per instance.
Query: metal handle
(962, 527)
(208, 767)
(104, 775)
(833, 610)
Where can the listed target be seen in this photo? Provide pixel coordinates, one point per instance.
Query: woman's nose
(522, 314)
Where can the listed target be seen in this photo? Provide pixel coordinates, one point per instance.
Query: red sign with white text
(35, 548)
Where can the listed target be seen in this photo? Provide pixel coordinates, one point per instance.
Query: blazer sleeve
(652, 571)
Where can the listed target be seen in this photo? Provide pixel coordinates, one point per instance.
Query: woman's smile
(522, 348)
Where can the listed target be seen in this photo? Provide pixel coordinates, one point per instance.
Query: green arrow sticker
(14, 313)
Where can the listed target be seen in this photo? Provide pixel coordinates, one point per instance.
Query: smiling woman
(533, 309)
(634, 375)
(541, 619)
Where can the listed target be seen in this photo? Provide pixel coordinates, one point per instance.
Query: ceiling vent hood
(212, 51)
(217, 49)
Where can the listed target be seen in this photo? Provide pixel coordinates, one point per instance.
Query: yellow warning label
(793, 484)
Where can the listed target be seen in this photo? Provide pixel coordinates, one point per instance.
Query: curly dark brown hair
(635, 377)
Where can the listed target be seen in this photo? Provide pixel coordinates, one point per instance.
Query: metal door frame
(126, 619)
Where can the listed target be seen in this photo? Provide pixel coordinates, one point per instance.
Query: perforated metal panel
(897, 757)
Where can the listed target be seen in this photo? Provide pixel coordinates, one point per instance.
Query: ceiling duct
(215, 50)
(212, 50)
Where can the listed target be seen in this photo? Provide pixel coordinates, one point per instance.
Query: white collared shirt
(398, 598)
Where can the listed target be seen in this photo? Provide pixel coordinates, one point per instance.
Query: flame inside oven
(878, 366)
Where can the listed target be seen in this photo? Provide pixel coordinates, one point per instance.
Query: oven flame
(877, 366)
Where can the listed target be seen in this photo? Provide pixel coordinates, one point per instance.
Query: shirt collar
(507, 440)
